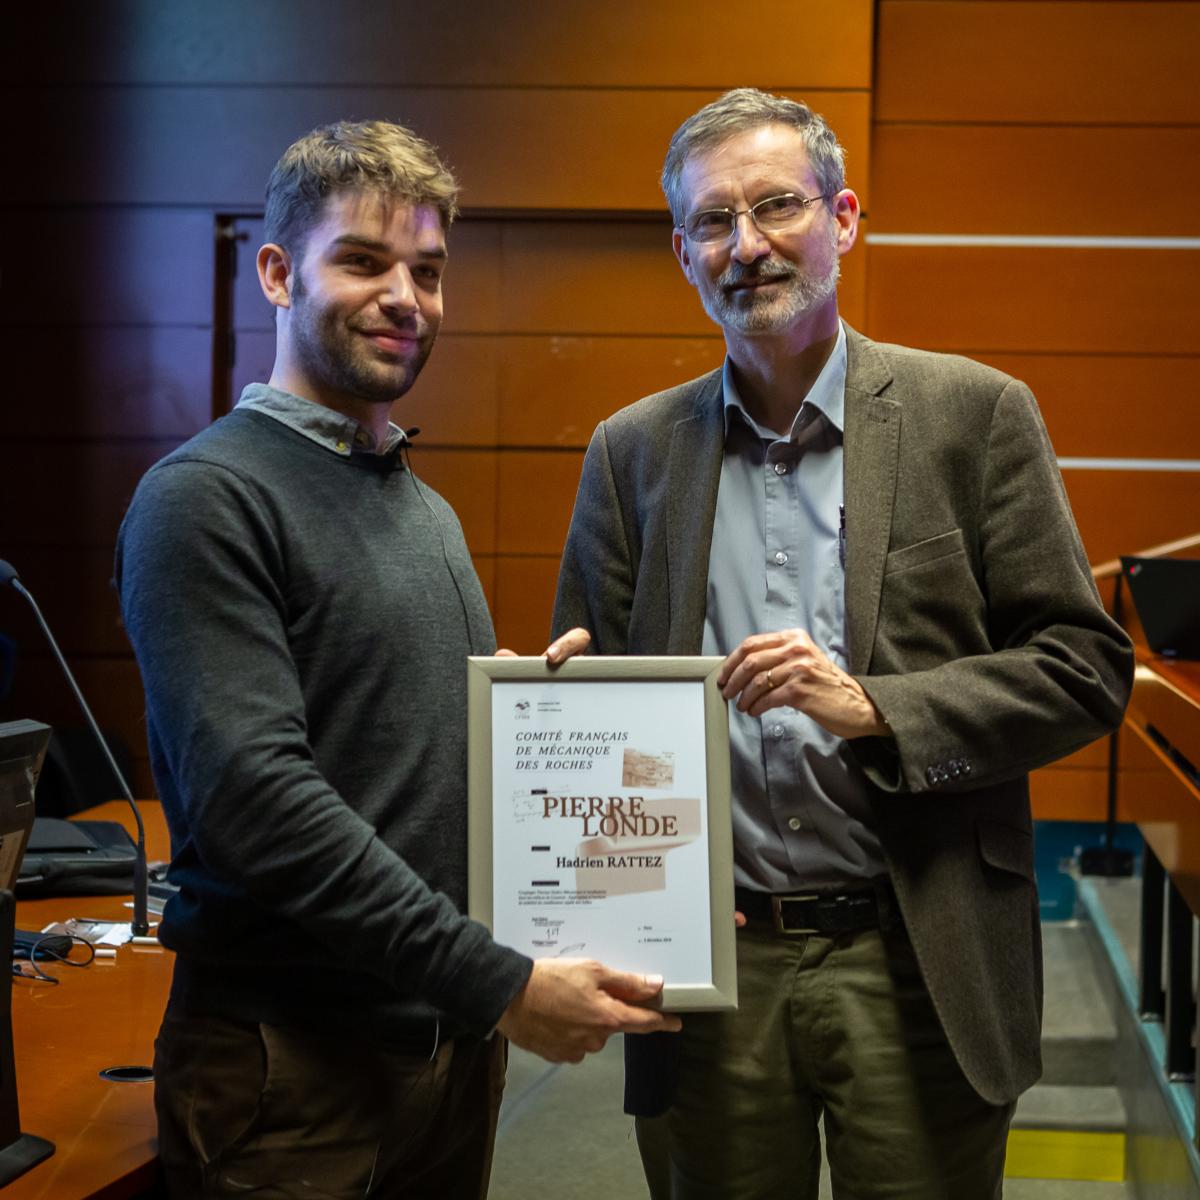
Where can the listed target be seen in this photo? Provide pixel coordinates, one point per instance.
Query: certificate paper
(601, 794)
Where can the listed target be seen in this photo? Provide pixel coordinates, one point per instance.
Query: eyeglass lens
(773, 213)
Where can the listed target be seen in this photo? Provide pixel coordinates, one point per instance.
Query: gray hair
(379, 156)
(743, 109)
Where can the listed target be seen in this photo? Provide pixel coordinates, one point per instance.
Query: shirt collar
(325, 426)
(827, 394)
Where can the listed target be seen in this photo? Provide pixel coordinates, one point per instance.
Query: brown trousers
(284, 1114)
(833, 1029)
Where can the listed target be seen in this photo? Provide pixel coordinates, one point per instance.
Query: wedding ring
(770, 681)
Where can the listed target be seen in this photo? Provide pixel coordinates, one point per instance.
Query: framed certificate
(599, 817)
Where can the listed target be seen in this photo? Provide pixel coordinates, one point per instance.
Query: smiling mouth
(750, 283)
(751, 287)
(392, 340)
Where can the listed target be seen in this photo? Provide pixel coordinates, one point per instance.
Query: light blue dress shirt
(801, 817)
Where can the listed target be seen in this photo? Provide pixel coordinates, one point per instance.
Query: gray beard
(802, 294)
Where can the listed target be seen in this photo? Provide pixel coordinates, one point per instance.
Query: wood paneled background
(143, 123)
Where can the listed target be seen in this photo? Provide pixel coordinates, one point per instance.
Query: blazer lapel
(870, 458)
(693, 477)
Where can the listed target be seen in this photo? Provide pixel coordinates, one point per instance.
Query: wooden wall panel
(623, 279)
(75, 495)
(1076, 787)
(513, 43)
(600, 150)
(1120, 512)
(1068, 121)
(1022, 299)
(1046, 61)
(555, 390)
(535, 500)
(1064, 794)
(1036, 179)
(1056, 794)
(107, 381)
(107, 266)
(1118, 406)
(525, 589)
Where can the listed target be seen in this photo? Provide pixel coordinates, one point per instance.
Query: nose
(749, 243)
(399, 294)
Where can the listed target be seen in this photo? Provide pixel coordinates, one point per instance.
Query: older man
(302, 606)
(879, 541)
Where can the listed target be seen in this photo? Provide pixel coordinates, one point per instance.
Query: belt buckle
(777, 903)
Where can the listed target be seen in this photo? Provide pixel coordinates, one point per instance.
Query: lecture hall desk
(1165, 803)
(104, 1015)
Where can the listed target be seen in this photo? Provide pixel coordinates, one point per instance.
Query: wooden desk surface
(1166, 695)
(105, 1015)
(1183, 676)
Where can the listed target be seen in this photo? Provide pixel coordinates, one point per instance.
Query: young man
(301, 607)
(879, 541)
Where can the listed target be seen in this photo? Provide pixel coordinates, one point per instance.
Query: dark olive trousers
(267, 1112)
(838, 1030)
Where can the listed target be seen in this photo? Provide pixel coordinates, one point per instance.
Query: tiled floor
(563, 1133)
(563, 1137)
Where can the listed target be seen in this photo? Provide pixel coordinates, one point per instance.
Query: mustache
(757, 272)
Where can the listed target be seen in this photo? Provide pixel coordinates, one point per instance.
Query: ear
(275, 274)
(680, 246)
(846, 213)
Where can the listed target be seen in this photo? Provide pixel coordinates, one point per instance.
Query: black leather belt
(818, 912)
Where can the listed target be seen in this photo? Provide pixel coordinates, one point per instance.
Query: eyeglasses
(771, 215)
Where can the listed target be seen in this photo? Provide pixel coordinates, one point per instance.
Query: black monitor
(22, 751)
(1166, 594)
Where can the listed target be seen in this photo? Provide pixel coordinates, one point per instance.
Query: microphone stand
(140, 924)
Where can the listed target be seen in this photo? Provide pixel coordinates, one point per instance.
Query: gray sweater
(301, 622)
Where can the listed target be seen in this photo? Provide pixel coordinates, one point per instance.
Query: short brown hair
(379, 156)
(743, 109)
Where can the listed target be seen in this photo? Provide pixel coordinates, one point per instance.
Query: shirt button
(781, 468)
(794, 822)
(777, 731)
(780, 557)
(342, 447)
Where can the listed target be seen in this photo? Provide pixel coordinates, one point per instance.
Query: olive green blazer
(974, 625)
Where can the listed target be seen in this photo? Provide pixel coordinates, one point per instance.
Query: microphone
(140, 925)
